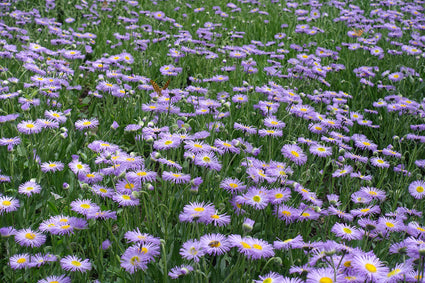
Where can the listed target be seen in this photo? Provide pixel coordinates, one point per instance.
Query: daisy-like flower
(195, 211)
(379, 162)
(271, 277)
(286, 213)
(10, 142)
(370, 266)
(73, 263)
(257, 198)
(389, 224)
(347, 169)
(178, 178)
(8, 204)
(196, 146)
(167, 143)
(374, 193)
(134, 259)
(136, 236)
(84, 124)
(322, 275)
(215, 244)
(361, 212)
(56, 279)
(279, 195)
(90, 178)
(102, 191)
(192, 250)
(141, 175)
(78, 167)
(398, 273)
(320, 150)
(29, 127)
(180, 271)
(125, 199)
(55, 115)
(216, 218)
(52, 166)
(416, 189)
(19, 261)
(227, 146)
(29, 188)
(259, 249)
(294, 153)
(273, 122)
(84, 206)
(291, 243)
(29, 238)
(347, 232)
(232, 185)
(208, 160)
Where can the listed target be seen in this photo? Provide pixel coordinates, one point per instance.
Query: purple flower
(232, 185)
(29, 188)
(54, 278)
(215, 244)
(29, 127)
(347, 232)
(208, 160)
(29, 238)
(84, 206)
(8, 204)
(294, 153)
(84, 124)
(192, 250)
(416, 189)
(180, 271)
(379, 162)
(196, 211)
(52, 166)
(19, 261)
(73, 263)
(178, 178)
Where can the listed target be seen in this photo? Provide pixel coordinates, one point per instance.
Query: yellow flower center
(30, 236)
(347, 231)
(325, 280)
(389, 224)
(257, 247)
(134, 260)
(370, 267)
(420, 189)
(206, 159)
(394, 272)
(129, 186)
(76, 263)
(21, 260)
(199, 209)
(294, 153)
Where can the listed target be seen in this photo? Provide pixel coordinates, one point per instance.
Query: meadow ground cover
(212, 141)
